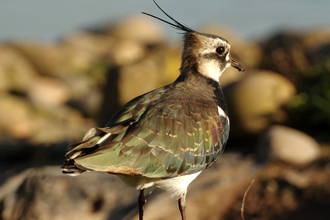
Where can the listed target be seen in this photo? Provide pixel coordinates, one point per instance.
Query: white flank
(222, 112)
(177, 186)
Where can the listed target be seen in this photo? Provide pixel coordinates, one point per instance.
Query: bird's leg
(142, 202)
(182, 206)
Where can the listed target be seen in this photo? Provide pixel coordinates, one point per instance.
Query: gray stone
(46, 193)
(289, 145)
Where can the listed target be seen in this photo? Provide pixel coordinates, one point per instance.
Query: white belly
(176, 186)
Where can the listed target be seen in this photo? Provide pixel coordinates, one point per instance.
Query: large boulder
(19, 119)
(256, 100)
(46, 193)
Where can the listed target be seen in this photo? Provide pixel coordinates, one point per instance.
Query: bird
(166, 137)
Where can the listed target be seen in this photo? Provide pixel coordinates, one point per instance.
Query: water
(252, 19)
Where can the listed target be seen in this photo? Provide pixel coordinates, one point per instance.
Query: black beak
(236, 65)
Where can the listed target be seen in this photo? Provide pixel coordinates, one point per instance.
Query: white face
(210, 69)
(212, 62)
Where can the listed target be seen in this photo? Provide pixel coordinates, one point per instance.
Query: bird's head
(204, 53)
(208, 54)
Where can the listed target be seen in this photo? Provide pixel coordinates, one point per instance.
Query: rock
(96, 45)
(45, 56)
(315, 39)
(16, 72)
(16, 117)
(300, 179)
(19, 119)
(137, 79)
(60, 124)
(57, 59)
(304, 195)
(86, 94)
(288, 145)
(126, 52)
(48, 194)
(138, 28)
(317, 45)
(159, 68)
(84, 52)
(48, 92)
(284, 53)
(92, 47)
(255, 101)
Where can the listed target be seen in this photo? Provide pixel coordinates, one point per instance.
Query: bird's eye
(220, 50)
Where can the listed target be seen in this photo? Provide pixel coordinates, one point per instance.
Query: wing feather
(155, 140)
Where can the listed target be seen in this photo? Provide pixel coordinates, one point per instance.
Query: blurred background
(67, 66)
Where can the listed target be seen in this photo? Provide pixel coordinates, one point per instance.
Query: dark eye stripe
(211, 56)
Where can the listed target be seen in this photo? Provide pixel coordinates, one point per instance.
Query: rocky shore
(51, 93)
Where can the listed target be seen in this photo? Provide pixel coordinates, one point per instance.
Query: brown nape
(189, 56)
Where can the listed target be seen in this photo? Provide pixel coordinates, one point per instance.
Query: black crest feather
(176, 24)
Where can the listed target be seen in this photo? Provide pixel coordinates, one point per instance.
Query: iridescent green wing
(181, 139)
(151, 138)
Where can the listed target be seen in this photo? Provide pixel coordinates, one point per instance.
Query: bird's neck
(207, 86)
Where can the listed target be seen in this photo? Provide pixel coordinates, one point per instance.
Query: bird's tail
(71, 169)
(94, 139)
(75, 150)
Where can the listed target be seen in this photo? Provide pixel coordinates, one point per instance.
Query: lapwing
(166, 137)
